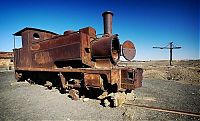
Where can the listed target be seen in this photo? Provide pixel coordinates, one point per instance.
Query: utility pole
(170, 46)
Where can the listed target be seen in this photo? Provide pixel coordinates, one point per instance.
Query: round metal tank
(107, 47)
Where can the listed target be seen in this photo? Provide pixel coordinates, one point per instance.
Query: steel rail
(167, 110)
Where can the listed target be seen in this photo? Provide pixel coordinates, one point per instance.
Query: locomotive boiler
(77, 59)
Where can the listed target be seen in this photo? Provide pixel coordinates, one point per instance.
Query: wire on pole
(170, 46)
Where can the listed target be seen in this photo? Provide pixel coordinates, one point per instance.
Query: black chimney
(107, 22)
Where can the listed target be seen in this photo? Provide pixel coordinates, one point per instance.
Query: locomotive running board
(81, 70)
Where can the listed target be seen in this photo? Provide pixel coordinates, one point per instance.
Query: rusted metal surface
(138, 77)
(131, 78)
(126, 83)
(107, 20)
(87, 35)
(63, 81)
(127, 79)
(128, 50)
(47, 49)
(93, 80)
(16, 57)
(106, 48)
(105, 63)
(116, 78)
(180, 112)
(6, 55)
(56, 49)
(68, 32)
(82, 70)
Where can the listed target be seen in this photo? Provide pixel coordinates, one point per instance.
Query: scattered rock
(30, 81)
(121, 99)
(48, 85)
(85, 99)
(74, 94)
(104, 95)
(130, 96)
(118, 98)
(106, 103)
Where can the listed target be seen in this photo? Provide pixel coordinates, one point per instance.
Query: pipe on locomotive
(107, 22)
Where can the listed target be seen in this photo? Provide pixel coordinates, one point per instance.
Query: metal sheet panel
(46, 58)
(138, 77)
(127, 79)
(93, 80)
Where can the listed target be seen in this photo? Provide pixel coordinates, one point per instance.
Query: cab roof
(19, 33)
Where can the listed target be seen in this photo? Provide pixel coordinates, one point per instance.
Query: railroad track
(166, 110)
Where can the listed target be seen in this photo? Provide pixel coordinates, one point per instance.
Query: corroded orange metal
(93, 80)
(128, 50)
(106, 48)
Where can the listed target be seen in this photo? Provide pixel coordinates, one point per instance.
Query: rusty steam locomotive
(76, 59)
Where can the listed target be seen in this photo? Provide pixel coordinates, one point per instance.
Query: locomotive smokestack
(107, 22)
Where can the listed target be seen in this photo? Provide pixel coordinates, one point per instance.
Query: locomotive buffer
(170, 46)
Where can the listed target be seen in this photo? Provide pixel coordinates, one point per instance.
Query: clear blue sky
(147, 23)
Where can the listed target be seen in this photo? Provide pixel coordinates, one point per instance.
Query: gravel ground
(166, 95)
(22, 101)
